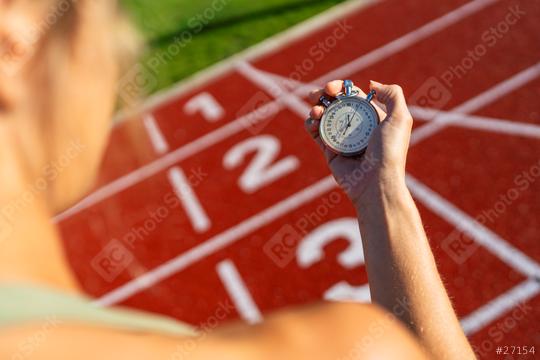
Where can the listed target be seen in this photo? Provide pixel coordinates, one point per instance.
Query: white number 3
(311, 251)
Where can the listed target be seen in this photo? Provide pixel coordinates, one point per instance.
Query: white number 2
(261, 171)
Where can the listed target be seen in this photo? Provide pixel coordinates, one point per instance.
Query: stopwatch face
(347, 124)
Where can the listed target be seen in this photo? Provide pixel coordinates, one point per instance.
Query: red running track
(213, 195)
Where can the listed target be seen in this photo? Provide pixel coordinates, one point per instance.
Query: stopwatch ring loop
(370, 95)
(348, 85)
(349, 89)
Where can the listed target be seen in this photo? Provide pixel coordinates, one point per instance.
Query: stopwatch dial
(347, 125)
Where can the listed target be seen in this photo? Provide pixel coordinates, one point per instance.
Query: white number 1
(205, 103)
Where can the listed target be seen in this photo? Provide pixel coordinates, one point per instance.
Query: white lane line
(478, 232)
(216, 243)
(249, 120)
(154, 133)
(406, 40)
(288, 84)
(399, 44)
(266, 82)
(268, 46)
(239, 293)
(191, 204)
(502, 304)
(488, 124)
(452, 118)
(271, 108)
(478, 102)
(170, 159)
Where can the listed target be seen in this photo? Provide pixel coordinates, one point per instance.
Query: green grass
(216, 35)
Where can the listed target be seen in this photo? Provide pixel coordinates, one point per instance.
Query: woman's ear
(20, 36)
(14, 52)
(23, 24)
(17, 39)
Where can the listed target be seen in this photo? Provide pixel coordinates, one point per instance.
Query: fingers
(315, 95)
(336, 86)
(380, 111)
(394, 100)
(332, 89)
(316, 112)
(312, 127)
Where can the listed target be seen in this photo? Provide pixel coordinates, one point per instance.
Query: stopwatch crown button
(348, 85)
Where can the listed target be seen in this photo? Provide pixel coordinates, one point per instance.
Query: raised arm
(402, 273)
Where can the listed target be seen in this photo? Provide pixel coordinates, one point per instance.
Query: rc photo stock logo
(435, 92)
(112, 260)
(431, 94)
(459, 246)
(136, 83)
(258, 112)
(281, 248)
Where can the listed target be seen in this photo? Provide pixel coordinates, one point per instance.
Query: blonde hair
(128, 40)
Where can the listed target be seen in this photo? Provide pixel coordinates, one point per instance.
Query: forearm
(402, 273)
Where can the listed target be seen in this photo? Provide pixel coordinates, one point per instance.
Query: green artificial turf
(186, 36)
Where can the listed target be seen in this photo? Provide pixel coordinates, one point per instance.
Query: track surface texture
(212, 196)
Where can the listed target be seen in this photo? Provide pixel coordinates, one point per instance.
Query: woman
(57, 88)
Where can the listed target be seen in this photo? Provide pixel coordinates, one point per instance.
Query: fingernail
(375, 83)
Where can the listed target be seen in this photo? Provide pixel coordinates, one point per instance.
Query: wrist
(385, 186)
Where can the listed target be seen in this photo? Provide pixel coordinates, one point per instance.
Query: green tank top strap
(27, 303)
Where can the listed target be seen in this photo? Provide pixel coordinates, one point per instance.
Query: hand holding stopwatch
(348, 121)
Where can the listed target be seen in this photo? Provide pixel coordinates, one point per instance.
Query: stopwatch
(348, 121)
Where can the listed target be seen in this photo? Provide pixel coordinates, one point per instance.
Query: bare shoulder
(347, 331)
(343, 331)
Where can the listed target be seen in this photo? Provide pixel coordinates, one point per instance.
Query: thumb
(392, 97)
